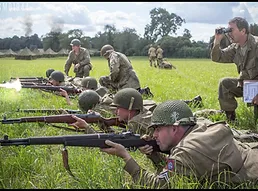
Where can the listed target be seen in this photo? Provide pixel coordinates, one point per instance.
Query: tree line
(158, 32)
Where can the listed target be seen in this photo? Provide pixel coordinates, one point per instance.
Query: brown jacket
(247, 65)
(206, 151)
(83, 58)
(121, 71)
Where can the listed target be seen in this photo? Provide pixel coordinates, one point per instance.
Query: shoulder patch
(170, 165)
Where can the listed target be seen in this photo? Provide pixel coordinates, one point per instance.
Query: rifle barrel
(57, 111)
(127, 139)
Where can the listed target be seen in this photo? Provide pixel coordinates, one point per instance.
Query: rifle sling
(66, 128)
(66, 164)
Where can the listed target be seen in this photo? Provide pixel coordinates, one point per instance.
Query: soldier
(198, 148)
(80, 57)
(128, 104)
(152, 55)
(49, 71)
(242, 52)
(122, 74)
(166, 65)
(159, 53)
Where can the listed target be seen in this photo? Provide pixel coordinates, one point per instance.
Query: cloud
(207, 12)
(117, 18)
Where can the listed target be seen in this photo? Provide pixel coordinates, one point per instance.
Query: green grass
(42, 167)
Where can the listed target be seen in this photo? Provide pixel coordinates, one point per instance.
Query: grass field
(42, 166)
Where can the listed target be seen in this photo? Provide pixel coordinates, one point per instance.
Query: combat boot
(146, 91)
(231, 116)
(195, 102)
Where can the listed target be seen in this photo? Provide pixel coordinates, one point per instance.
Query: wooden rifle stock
(54, 88)
(67, 118)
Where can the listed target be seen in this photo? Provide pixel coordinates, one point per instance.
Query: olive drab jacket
(152, 52)
(246, 58)
(159, 53)
(83, 58)
(208, 151)
(121, 71)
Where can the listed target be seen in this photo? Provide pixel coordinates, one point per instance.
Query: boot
(195, 102)
(231, 116)
(146, 91)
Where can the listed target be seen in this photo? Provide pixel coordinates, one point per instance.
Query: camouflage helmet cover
(89, 83)
(105, 49)
(57, 76)
(49, 71)
(88, 99)
(128, 98)
(172, 112)
(75, 42)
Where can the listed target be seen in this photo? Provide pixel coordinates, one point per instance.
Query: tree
(254, 29)
(110, 31)
(162, 24)
(187, 34)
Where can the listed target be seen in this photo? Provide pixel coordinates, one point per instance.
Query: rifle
(127, 139)
(31, 79)
(68, 89)
(67, 118)
(53, 111)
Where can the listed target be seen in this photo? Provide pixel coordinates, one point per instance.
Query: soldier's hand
(255, 100)
(218, 37)
(79, 124)
(63, 93)
(76, 65)
(146, 149)
(117, 150)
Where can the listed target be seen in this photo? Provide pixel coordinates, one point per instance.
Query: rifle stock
(54, 88)
(67, 118)
(127, 139)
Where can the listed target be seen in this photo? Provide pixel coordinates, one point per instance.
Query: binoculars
(223, 30)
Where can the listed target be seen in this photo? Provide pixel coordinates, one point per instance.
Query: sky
(201, 18)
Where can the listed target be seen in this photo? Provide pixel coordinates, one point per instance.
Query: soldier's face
(54, 82)
(124, 114)
(75, 48)
(236, 34)
(164, 136)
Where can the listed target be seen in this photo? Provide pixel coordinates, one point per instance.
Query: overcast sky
(18, 18)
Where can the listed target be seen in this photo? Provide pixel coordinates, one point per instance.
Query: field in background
(41, 166)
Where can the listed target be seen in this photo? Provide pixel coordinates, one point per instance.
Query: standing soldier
(80, 57)
(152, 55)
(159, 53)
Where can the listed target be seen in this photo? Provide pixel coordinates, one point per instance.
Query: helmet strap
(131, 103)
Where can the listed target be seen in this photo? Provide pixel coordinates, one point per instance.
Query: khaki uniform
(152, 56)
(138, 124)
(166, 65)
(122, 74)
(159, 53)
(207, 150)
(83, 58)
(246, 60)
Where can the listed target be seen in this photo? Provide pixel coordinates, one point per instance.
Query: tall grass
(41, 166)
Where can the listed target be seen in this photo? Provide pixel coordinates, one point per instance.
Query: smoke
(56, 24)
(27, 24)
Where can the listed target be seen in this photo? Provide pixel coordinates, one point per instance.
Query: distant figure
(166, 65)
(152, 55)
(80, 57)
(159, 53)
